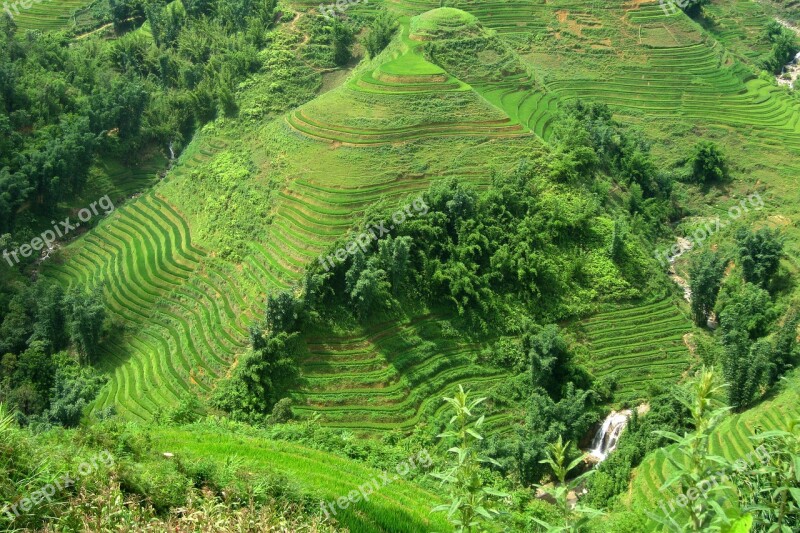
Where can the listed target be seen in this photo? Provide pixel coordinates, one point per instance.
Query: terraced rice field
(640, 345)
(401, 98)
(46, 15)
(186, 311)
(183, 314)
(387, 377)
(731, 439)
(399, 506)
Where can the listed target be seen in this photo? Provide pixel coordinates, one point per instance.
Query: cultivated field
(184, 303)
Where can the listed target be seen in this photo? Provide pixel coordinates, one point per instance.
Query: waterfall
(605, 440)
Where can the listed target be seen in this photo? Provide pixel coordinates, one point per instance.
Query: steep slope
(187, 267)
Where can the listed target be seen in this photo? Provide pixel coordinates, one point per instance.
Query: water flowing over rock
(606, 438)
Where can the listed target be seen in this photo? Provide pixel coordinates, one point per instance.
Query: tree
(394, 255)
(380, 33)
(549, 356)
(694, 8)
(746, 365)
(784, 46)
(760, 254)
(261, 378)
(575, 519)
(342, 38)
(471, 506)
(50, 323)
(547, 420)
(371, 291)
(282, 312)
(86, 314)
(705, 279)
(748, 308)
(785, 350)
(708, 164)
(75, 388)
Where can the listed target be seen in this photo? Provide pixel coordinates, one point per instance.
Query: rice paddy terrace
(389, 377)
(640, 345)
(401, 98)
(46, 15)
(185, 308)
(731, 439)
(400, 506)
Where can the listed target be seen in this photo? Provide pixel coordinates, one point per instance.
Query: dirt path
(101, 28)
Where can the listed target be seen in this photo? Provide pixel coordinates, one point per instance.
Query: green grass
(398, 506)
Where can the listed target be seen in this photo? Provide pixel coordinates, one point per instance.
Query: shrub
(708, 164)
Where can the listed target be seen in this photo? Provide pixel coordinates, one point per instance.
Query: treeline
(64, 102)
(48, 339)
(736, 288)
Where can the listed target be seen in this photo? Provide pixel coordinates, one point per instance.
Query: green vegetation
(324, 225)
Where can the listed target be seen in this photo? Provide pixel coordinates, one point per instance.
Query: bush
(159, 482)
(708, 164)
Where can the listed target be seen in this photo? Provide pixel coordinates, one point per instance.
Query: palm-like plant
(471, 507)
(575, 518)
(694, 462)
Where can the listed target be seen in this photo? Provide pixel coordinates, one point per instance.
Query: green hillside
(237, 309)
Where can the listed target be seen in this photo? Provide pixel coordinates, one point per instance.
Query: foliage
(694, 8)
(343, 37)
(282, 312)
(705, 279)
(693, 461)
(549, 357)
(771, 492)
(38, 377)
(131, 486)
(547, 420)
(381, 31)
(708, 164)
(573, 518)
(760, 253)
(86, 314)
(471, 507)
(747, 362)
(474, 252)
(784, 46)
(261, 378)
(73, 391)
